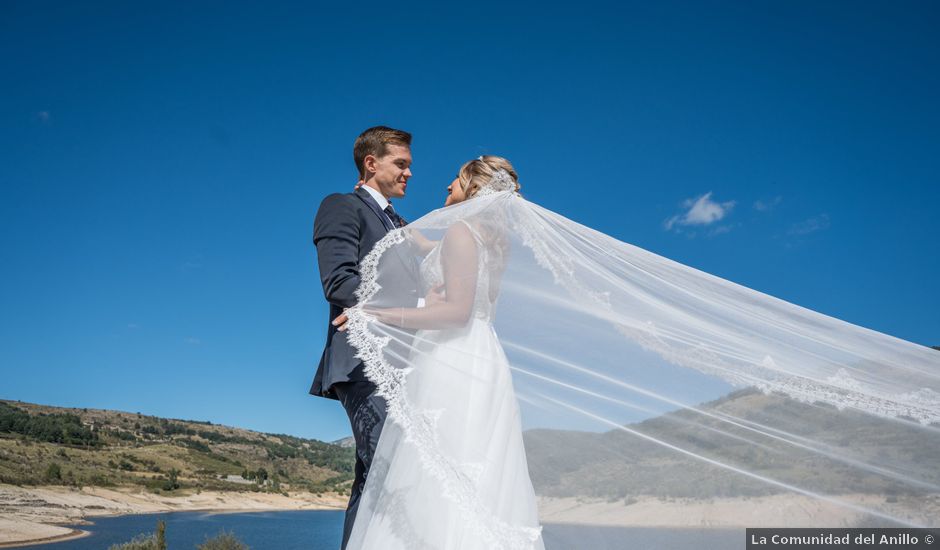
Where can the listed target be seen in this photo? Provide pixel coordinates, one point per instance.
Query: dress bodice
(432, 273)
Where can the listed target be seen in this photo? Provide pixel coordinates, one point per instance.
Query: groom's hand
(435, 296)
(340, 321)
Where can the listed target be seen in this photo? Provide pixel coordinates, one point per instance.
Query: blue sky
(162, 163)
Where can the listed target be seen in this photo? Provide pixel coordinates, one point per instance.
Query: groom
(346, 228)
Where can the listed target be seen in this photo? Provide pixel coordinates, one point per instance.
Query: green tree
(53, 472)
(53, 428)
(172, 482)
(276, 482)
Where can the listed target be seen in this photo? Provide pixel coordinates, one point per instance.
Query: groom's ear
(368, 165)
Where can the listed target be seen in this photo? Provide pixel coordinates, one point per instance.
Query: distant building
(237, 479)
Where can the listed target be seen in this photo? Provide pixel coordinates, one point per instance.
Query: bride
(551, 359)
(449, 470)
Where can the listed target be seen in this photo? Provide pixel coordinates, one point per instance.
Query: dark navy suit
(346, 228)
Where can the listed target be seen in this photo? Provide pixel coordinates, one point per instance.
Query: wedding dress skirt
(461, 385)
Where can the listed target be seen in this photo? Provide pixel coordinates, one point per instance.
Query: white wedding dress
(465, 487)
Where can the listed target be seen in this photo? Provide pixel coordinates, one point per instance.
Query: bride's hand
(389, 316)
(340, 321)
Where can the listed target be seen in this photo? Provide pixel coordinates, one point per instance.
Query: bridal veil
(641, 382)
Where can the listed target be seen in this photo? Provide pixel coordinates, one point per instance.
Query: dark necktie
(397, 220)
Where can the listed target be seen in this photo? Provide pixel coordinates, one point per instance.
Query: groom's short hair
(374, 141)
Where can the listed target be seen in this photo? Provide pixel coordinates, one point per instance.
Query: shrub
(140, 542)
(155, 541)
(172, 483)
(223, 541)
(54, 472)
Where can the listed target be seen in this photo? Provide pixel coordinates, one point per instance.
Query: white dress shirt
(380, 200)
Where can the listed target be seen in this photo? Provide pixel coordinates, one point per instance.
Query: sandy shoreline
(74, 534)
(45, 514)
(782, 510)
(36, 515)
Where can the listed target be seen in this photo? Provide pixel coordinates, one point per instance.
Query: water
(322, 530)
(303, 530)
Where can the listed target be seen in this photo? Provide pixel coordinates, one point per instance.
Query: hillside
(43, 445)
(619, 465)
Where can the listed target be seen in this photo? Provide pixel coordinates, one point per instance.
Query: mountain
(51, 445)
(346, 442)
(619, 465)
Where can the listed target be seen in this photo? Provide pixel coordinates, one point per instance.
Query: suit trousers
(366, 411)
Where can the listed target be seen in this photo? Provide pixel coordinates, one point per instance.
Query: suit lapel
(410, 265)
(370, 202)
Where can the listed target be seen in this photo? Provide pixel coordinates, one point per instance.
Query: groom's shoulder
(340, 200)
(339, 205)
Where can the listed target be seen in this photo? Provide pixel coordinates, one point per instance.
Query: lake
(322, 530)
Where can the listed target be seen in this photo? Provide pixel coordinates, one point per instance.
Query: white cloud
(720, 230)
(764, 206)
(192, 264)
(812, 225)
(700, 211)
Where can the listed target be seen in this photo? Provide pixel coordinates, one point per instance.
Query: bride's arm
(459, 263)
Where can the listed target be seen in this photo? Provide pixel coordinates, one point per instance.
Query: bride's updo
(476, 174)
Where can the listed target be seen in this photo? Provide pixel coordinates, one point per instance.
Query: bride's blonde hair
(478, 172)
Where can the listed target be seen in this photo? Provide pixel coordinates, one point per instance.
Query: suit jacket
(346, 228)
